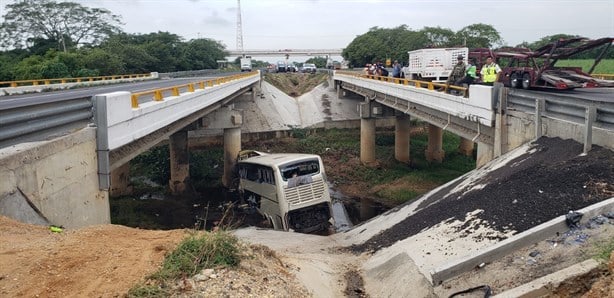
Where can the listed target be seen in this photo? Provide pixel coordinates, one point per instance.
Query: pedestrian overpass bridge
(66, 180)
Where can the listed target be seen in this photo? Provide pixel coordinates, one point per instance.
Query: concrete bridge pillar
(180, 162)
(401, 138)
(485, 154)
(120, 181)
(466, 147)
(434, 150)
(367, 140)
(232, 146)
(230, 120)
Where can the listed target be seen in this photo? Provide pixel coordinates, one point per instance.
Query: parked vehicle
(309, 68)
(288, 189)
(523, 68)
(281, 66)
(432, 64)
(246, 63)
(292, 67)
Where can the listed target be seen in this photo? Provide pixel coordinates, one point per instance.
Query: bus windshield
(301, 168)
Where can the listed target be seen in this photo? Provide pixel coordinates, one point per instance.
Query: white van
(289, 189)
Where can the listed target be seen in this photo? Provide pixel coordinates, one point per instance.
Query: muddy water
(213, 208)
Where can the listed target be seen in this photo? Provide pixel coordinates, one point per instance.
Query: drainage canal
(213, 207)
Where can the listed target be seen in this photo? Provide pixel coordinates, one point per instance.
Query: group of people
(377, 69)
(466, 74)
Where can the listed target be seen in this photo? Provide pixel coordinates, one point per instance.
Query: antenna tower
(239, 28)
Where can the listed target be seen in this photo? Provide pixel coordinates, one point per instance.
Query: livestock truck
(432, 64)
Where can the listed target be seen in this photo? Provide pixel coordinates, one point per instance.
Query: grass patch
(399, 196)
(603, 250)
(193, 254)
(606, 66)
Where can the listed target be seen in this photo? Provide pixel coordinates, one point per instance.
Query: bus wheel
(526, 81)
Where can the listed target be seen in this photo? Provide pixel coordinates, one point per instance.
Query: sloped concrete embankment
(433, 239)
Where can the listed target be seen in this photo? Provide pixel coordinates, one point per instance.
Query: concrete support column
(367, 140)
(485, 154)
(434, 150)
(180, 163)
(232, 146)
(466, 147)
(120, 181)
(340, 92)
(401, 138)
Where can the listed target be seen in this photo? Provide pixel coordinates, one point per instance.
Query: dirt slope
(98, 261)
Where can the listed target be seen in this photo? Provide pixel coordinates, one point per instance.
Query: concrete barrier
(42, 88)
(542, 287)
(54, 182)
(533, 235)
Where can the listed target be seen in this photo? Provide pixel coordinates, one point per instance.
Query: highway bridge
(61, 153)
(292, 52)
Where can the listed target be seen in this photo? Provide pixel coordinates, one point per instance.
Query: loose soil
(295, 84)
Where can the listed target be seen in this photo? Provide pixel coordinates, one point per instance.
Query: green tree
(102, 63)
(29, 68)
(478, 36)
(320, 62)
(438, 37)
(133, 57)
(202, 53)
(68, 24)
(381, 43)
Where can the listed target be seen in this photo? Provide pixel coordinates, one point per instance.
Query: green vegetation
(604, 249)
(193, 254)
(604, 67)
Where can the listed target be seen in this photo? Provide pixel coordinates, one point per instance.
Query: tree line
(48, 39)
(379, 44)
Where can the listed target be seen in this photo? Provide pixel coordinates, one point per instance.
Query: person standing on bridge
(470, 74)
(396, 69)
(490, 72)
(458, 72)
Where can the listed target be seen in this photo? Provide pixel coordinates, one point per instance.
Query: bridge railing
(38, 82)
(20, 123)
(160, 94)
(416, 83)
(603, 76)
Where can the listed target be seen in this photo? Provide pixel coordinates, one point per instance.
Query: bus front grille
(305, 193)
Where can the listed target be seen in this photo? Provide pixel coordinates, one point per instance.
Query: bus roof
(278, 158)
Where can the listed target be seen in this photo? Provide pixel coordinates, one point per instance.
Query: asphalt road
(12, 101)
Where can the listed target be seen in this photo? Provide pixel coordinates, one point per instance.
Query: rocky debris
(549, 180)
(260, 274)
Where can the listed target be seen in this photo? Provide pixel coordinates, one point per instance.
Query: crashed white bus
(289, 189)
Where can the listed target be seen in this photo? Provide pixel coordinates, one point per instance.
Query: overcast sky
(326, 24)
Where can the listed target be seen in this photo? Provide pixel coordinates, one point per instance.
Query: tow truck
(523, 68)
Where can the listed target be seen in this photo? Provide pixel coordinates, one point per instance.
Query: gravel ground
(526, 192)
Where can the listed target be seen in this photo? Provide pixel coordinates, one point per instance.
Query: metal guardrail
(603, 76)
(38, 82)
(584, 113)
(566, 108)
(416, 83)
(24, 121)
(159, 94)
(33, 120)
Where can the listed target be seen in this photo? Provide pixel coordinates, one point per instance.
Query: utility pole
(239, 29)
